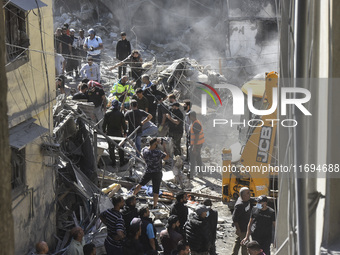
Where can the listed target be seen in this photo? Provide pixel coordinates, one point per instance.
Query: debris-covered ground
(86, 178)
(86, 183)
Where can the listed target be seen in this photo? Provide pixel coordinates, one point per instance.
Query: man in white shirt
(90, 70)
(93, 44)
(59, 64)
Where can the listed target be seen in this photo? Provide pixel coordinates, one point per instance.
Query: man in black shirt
(179, 209)
(113, 125)
(176, 127)
(197, 231)
(82, 93)
(212, 218)
(129, 211)
(261, 224)
(65, 45)
(97, 96)
(136, 118)
(123, 50)
(150, 92)
(241, 216)
(142, 102)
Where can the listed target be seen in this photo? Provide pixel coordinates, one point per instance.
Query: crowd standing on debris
(137, 108)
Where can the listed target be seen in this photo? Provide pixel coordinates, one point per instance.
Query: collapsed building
(59, 166)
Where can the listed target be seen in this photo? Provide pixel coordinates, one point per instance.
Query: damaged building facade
(31, 92)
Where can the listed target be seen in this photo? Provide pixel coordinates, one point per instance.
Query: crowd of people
(130, 229)
(147, 110)
(136, 108)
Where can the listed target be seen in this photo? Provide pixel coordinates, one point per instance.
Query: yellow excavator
(249, 163)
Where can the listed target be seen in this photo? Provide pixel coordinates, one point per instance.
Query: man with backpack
(93, 44)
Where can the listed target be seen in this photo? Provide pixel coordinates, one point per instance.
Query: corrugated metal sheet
(27, 5)
(24, 133)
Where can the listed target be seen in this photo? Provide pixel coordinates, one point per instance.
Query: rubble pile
(86, 181)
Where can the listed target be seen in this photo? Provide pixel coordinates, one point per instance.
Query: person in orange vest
(196, 142)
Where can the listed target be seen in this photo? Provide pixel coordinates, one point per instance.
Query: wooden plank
(205, 195)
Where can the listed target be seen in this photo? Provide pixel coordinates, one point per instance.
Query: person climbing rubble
(135, 61)
(153, 156)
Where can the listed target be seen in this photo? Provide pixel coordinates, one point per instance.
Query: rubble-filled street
(171, 127)
(173, 70)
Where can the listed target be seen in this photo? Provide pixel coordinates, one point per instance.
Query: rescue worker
(196, 142)
(122, 91)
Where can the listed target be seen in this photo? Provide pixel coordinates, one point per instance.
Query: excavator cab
(249, 162)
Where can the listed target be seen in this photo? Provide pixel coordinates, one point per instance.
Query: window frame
(16, 20)
(18, 168)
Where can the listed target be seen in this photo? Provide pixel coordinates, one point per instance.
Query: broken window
(16, 33)
(18, 168)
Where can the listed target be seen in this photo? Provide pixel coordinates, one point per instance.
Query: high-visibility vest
(200, 134)
(119, 88)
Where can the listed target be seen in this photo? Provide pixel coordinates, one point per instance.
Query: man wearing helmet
(93, 44)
